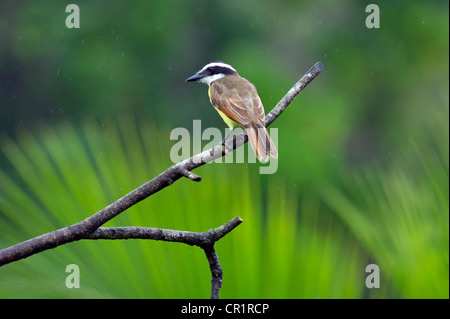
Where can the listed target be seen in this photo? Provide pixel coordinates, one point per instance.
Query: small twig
(190, 175)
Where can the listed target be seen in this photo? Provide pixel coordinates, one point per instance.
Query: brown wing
(238, 99)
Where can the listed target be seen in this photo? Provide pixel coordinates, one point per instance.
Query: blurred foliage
(85, 117)
(402, 219)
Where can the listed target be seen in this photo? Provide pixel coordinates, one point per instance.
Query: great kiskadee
(238, 103)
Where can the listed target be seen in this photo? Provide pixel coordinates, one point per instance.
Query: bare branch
(190, 238)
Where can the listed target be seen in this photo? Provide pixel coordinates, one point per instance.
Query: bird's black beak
(195, 77)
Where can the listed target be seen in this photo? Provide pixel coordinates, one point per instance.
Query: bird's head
(211, 72)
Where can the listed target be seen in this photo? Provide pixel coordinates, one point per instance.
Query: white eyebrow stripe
(221, 64)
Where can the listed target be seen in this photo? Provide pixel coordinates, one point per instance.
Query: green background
(363, 169)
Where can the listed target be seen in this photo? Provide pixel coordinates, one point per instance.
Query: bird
(238, 103)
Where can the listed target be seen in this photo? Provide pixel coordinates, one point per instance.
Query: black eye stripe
(219, 69)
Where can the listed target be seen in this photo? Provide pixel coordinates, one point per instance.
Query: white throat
(209, 79)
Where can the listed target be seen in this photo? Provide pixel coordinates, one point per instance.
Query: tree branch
(89, 227)
(205, 240)
(180, 236)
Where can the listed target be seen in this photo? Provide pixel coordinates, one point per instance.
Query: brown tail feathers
(261, 142)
